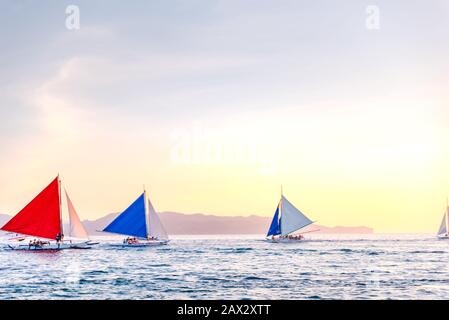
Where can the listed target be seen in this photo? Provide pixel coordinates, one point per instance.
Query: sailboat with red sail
(42, 220)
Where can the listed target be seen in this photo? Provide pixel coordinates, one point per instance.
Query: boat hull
(143, 244)
(46, 247)
(82, 245)
(53, 246)
(285, 240)
(443, 237)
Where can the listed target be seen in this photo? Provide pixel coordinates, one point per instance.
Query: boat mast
(280, 210)
(147, 218)
(60, 207)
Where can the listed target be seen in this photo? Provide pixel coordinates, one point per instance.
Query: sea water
(235, 267)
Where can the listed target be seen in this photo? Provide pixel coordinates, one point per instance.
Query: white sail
(77, 229)
(291, 218)
(156, 228)
(447, 219)
(444, 224)
(443, 228)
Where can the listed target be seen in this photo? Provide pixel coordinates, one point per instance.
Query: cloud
(59, 117)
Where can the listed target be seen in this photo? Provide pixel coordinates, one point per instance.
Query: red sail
(41, 217)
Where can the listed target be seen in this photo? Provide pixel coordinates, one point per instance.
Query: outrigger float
(286, 221)
(140, 223)
(39, 225)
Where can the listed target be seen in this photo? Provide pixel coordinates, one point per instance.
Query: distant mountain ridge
(202, 224)
(3, 219)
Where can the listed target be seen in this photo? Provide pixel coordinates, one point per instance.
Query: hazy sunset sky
(214, 104)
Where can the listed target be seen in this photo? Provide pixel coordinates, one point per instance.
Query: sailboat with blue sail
(286, 221)
(140, 223)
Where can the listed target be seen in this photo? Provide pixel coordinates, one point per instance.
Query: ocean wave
(244, 269)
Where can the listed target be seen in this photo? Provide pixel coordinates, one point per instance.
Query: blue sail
(132, 221)
(275, 228)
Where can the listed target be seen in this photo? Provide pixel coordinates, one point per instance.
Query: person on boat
(299, 237)
(130, 240)
(37, 243)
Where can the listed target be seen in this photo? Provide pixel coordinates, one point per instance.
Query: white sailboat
(286, 221)
(443, 231)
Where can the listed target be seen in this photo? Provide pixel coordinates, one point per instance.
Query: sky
(213, 105)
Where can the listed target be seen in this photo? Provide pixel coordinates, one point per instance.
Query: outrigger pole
(310, 231)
